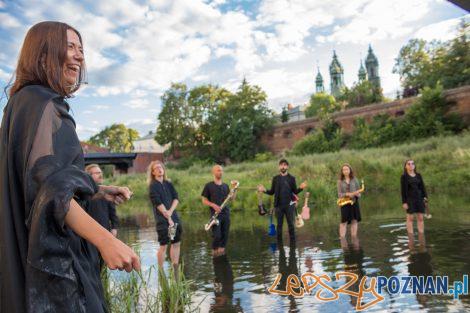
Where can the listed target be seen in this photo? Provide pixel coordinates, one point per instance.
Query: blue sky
(135, 49)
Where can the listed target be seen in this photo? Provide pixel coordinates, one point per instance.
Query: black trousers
(220, 232)
(289, 212)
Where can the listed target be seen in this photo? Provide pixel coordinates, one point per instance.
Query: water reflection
(353, 263)
(419, 262)
(382, 248)
(223, 287)
(287, 267)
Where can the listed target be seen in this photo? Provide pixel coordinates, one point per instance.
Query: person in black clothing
(283, 187)
(103, 211)
(223, 287)
(213, 195)
(45, 234)
(413, 195)
(164, 201)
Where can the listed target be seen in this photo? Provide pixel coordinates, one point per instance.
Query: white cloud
(379, 20)
(101, 107)
(8, 21)
(443, 31)
(4, 75)
(86, 130)
(137, 103)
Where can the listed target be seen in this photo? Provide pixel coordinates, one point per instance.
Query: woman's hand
(117, 255)
(405, 206)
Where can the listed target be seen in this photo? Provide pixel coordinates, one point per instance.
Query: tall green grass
(444, 163)
(133, 292)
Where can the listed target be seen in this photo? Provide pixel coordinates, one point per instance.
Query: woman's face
(346, 171)
(410, 166)
(158, 171)
(74, 59)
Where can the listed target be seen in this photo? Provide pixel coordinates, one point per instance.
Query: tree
(203, 102)
(284, 115)
(237, 125)
(184, 119)
(362, 93)
(117, 138)
(421, 63)
(173, 118)
(321, 105)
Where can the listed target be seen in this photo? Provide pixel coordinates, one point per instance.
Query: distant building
(372, 66)
(148, 144)
(319, 82)
(89, 148)
(295, 113)
(336, 76)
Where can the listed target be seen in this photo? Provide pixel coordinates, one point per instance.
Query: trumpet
(346, 200)
(214, 220)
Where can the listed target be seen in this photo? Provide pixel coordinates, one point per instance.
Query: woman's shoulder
(39, 92)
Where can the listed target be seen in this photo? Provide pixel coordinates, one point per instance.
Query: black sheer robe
(44, 265)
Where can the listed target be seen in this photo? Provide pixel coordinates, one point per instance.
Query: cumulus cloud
(378, 20)
(8, 21)
(135, 50)
(443, 31)
(137, 103)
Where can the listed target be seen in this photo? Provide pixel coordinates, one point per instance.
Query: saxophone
(214, 220)
(346, 200)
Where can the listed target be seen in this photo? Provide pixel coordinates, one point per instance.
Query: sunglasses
(410, 163)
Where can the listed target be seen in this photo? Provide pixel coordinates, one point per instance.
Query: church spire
(372, 66)
(319, 82)
(336, 75)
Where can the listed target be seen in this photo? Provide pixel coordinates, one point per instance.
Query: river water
(240, 281)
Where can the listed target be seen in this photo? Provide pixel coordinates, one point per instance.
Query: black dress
(413, 193)
(44, 265)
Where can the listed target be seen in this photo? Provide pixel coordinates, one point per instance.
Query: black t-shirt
(285, 191)
(216, 194)
(163, 193)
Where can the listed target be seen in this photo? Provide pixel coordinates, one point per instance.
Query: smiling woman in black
(45, 235)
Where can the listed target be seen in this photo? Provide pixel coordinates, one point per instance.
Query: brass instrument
(346, 200)
(214, 220)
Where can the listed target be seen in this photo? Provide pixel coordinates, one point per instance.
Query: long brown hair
(351, 173)
(150, 177)
(42, 59)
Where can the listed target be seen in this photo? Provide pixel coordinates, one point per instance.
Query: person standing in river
(413, 195)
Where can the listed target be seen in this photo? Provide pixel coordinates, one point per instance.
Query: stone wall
(284, 136)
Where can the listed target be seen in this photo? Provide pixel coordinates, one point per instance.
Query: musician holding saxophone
(284, 187)
(213, 195)
(164, 201)
(348, 189)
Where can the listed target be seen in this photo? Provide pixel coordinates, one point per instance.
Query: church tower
(372, 66)
(362, 75)
(336, 76)
(319, 82)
